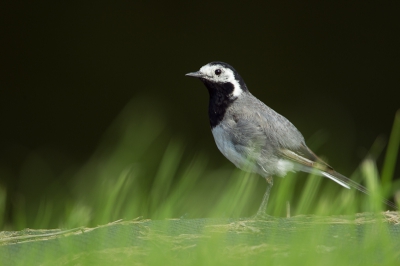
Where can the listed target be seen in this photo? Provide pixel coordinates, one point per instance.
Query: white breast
(226, 147)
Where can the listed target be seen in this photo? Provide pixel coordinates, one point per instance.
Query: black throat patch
(220, 100)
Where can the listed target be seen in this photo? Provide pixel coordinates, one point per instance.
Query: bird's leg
(261, 213)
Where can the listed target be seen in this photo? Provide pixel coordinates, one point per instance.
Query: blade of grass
(164, 177)
(370, 172)
(3, 197)
(391, 153)
(308, 194)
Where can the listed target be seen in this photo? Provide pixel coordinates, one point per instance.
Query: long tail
(347, 183)
(305, 160)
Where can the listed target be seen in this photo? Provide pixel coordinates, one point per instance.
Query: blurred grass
(391, 153)
(137, 171)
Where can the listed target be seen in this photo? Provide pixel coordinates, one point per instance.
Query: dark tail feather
(357, 186)
(340, 179)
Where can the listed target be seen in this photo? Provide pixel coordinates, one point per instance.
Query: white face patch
(226, 75)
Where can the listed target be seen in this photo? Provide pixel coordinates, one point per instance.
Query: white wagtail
(254, 137)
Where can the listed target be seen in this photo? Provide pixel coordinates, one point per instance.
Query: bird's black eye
(218, 72)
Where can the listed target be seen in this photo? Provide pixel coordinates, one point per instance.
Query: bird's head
(220, 77)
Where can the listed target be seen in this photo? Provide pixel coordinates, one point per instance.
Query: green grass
(137, 171)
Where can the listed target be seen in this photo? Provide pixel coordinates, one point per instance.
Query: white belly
(226, 147)
(274, 167)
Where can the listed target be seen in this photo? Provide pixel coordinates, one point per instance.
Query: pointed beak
(197, 74)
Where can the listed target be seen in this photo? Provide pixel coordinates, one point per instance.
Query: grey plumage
(258, 133)
(253, 136)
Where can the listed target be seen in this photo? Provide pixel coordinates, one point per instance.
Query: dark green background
(68, 69)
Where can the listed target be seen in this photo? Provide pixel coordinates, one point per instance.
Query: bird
(254, 137)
